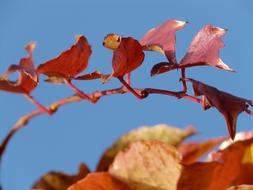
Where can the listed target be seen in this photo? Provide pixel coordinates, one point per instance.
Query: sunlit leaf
(169, 135)
(163, 39)
(204, 49)
(70, 62)
(148, 165)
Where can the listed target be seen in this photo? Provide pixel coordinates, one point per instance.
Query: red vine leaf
(28, 78)
(229, 105)
(70, 62)
(99, 181)
(163, 39)
(162, 67)
(204, 49)
(127, 57)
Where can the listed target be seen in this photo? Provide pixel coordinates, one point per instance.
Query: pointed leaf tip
(209, 37)
(70, 62)
(164, 37)
(28, 78)
(228, 105)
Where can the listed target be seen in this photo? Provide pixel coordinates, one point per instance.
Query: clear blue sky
(80, 132)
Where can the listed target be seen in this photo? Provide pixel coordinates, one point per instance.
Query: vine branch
(95, 96)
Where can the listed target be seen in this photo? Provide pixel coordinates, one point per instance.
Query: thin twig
(95, 96)
(37, 104)
(132, 90)
(183, 81)
(79, 92)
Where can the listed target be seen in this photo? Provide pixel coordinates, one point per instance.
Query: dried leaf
(194, 150)
(163, 39)
(59, 180)
(204, 49)
(112, 41)
(148, 165)
(99, 181)
(227, 169)
(127, 57)
(169, 135)
(229, 105)
(70, 62)
(28, 79)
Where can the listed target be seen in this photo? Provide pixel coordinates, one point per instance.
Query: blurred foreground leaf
(99, 181)
(164, 133)
(59, 180)
(148, 165)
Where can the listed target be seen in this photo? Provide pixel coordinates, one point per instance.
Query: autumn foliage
(149, 157)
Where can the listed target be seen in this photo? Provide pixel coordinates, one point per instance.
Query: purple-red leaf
(28, 78)
(70, 62)
(204, 49)
(229, 105)
(162, 67)
(163, 38)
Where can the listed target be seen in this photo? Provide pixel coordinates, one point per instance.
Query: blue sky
(81, 131)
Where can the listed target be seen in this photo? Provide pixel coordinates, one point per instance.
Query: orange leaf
(127, 57)
(229, 105)
(163, 38)
(228, 169)
(28, 78)
(70, 62)
(99, 181)
(194, 150)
